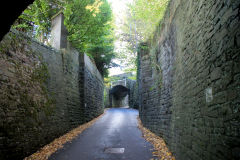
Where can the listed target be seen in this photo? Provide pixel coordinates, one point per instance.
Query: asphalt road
(117, 129)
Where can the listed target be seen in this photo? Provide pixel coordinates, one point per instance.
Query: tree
(147, 14)
(140, 22)
(103, 52)
(36, 19)
(89, 24)
(86, 26)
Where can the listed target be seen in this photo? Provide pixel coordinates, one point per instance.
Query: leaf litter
(45, 152)
(161, 150)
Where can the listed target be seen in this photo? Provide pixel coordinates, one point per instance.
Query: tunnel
(118, 96)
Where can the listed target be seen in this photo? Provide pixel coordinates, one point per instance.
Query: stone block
(216, 73)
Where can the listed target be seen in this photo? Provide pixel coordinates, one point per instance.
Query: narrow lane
(116, 129)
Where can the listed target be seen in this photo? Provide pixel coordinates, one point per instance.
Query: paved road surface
(116, 129)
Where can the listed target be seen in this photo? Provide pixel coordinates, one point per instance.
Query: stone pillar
(59, 32)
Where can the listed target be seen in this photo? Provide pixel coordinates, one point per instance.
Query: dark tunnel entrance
(119, 96)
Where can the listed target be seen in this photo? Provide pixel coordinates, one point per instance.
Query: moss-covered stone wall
(42, 94)
(189, 79)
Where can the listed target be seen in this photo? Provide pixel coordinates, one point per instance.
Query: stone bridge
(121, 93)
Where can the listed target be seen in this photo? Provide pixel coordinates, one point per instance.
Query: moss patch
(25, 102)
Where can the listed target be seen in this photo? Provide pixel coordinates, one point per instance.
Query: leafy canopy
(89, 24)
(147, 14)
(140, 22)
(36, 19)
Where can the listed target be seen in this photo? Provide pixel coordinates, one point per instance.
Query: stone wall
(93, 90)
(44, 93)
(133, 94)
(189, 79)
(106, 97)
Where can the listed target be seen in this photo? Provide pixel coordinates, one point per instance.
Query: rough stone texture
(123, 92)
(93, 90)
(44, 94)
(189, 79)
(133, 94)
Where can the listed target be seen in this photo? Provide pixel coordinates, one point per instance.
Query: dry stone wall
(189, 79)
(44, 93)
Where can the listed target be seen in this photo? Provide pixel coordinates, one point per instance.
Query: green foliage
(36, 19)
(132, 78)
(83, 27)
(147, 14)
(111, 79)
(89, 24)
(140, 22)
(108, 80)
(102, 54)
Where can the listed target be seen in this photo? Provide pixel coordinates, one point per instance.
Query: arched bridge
(121, 93)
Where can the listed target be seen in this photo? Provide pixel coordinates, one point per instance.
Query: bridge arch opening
(119, 96)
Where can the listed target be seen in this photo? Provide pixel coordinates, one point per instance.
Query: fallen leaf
(160, 148)
(45, 152)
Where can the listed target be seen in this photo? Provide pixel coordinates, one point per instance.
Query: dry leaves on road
(160, 147)
(45, 152)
